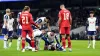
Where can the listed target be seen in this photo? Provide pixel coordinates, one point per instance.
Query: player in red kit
(26, 21)
(65, 21)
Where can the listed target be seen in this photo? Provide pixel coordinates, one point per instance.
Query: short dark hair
(91, 12)
(53, 31)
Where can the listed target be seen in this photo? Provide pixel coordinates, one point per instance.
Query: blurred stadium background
(79, 9)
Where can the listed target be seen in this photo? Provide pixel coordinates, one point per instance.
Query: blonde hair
(26, 8)
(7, 10)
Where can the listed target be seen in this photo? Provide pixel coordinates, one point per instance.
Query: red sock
(23, 44)
(69, 42)
(63, 42)
(32, 43)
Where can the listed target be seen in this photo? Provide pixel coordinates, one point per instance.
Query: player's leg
(19, 38)
(62, 32)
(89, 42)
(93, 42)
(10, 37)
(23, 40)
(67, 30)
(4, 32)
(31, 35)
(94, 33)
(89, 39)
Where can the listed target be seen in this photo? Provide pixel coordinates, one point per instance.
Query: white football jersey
(51, 38)
(92, 24)
(36, 32)
(5, 18)
(41, 20)
(10, 24)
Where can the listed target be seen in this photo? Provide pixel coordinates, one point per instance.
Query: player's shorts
(37, 32)
(19, 31)
(64, 30)
(91, 33)
(25, 32)
(4, 31)
(10, 33)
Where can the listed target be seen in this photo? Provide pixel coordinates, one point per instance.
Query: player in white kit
(10, 28)
(19, 29)
(4, 28)
(91, 29)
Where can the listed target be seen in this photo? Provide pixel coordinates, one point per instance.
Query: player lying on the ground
(91, 29)
(50, 43)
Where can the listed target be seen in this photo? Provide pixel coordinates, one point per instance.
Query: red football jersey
(26, 20)
(65, 17)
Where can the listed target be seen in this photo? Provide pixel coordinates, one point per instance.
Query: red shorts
(64, 30)
(25, 32)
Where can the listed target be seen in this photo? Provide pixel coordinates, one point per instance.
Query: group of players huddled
(33, 31)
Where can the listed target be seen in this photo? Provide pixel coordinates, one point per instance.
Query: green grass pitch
(79, 49)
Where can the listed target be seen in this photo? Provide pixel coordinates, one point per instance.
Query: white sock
(5, 42)
(93, 44)
(10, 43)
(18, 42)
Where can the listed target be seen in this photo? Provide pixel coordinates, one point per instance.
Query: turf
(79, 49)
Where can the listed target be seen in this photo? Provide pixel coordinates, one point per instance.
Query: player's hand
(38, 26)
(96, 27)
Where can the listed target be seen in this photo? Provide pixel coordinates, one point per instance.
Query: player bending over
(91, 29)
(26, 21)
(4, 28)
(43, 22)
(50, 43)
(65, 21)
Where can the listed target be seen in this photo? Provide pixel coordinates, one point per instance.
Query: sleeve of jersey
(38, 21)
(5, 17)
(18, 16)
(32, 22)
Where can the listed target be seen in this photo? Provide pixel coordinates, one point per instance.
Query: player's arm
(96, 23)
(18, 16)
(5, 19)
(59, 20)
(48, 25)
(32, 22)
(20, 20)
(70, 19)
(57, 40)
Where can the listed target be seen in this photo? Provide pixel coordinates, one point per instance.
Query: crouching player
(49, 40)
(53, 43)
(92, 26)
